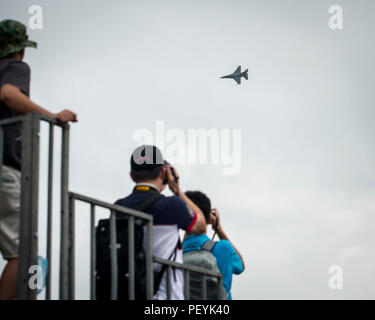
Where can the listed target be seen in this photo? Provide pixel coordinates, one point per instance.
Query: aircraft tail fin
(245, 75)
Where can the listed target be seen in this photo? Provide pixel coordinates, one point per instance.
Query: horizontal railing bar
(13, 120)
(52, 120)
(187, 267)
(43, 117)
(117, 208)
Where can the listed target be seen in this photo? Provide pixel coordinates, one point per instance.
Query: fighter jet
(236, 75)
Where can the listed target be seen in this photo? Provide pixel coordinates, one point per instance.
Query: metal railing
(114, 209)
(132, 214)
(28, 233)
(187, 270)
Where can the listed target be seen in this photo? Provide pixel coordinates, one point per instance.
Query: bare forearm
(22, 104)
(223, 236)
(199, 226)
(14, 98)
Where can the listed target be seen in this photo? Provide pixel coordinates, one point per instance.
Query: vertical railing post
(131, 258)
(113, 247)
(65, 243)
(28, 246)
(93, 254)
(149, 262)
(219, 288)
(49, 211)
(204, 287)
(169, 288)
(71, 248)
(187, 284)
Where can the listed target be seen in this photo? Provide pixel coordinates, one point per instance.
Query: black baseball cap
(146, 158)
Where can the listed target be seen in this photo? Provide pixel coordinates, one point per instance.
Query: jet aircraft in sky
(237, 75)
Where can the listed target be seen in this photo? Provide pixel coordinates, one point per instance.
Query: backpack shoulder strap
(158, 276)
(146, 203)
(208, 245)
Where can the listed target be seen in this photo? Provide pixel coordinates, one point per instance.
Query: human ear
(131, 176)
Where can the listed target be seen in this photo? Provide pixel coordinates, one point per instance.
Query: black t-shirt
(16, 73)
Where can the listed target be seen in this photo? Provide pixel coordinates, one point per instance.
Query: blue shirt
(227, 259)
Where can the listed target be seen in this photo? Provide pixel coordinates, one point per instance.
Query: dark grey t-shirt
(16, 73)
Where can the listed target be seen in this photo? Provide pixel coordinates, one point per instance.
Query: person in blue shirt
(228, 258)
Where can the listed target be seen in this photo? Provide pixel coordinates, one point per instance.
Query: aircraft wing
(238, 70)
(238, 79)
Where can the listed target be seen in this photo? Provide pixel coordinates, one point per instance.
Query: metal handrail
(187, 269)
(28, 248)
(149, 258)
(132, 214)
(115, 207)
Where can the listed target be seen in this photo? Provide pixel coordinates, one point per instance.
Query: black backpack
(103, 255)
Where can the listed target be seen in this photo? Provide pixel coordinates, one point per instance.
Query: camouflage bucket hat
(13, 37)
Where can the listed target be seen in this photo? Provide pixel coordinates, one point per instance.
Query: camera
(165, 181)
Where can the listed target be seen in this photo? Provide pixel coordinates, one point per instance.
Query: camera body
(165, 181)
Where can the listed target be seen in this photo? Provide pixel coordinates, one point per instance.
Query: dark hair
(143, 175)
(12, 54)
(202, 201)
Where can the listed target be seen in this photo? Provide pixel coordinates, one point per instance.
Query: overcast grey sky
(304, 198)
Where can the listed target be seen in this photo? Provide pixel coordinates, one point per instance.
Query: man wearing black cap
(152, 173)
(14, 101)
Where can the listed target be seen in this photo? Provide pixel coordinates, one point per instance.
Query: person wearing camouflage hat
(13, 38)
(14, 101)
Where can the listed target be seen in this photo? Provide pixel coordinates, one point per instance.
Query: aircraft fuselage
(237, 75)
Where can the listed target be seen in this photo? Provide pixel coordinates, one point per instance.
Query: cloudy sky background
(304, 198)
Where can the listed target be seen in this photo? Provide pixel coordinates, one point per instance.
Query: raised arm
(199, 226)
(216, 225)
